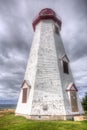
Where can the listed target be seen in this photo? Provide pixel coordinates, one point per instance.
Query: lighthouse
(48, 90)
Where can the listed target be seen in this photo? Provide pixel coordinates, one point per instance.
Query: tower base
(48, 117)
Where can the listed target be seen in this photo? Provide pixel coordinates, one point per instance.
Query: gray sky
(16, 34)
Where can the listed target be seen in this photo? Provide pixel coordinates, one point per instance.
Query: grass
(8, 121)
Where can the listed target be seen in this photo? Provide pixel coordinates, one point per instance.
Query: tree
(84, 102)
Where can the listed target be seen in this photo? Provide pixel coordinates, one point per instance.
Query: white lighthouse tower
(48, 90)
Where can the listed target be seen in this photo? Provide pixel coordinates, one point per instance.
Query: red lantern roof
(46, 14)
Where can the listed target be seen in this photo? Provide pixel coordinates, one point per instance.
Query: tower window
(72, 91)
(65, 67)
(24, 96)
(73, 98)
(56, 30)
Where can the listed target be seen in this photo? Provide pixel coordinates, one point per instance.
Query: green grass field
(8, 121)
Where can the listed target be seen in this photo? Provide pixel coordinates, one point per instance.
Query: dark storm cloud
(16, 34)
(14, 47)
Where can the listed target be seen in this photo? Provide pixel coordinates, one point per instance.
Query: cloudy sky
(16, 34)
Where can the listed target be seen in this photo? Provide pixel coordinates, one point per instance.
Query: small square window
(65, 67)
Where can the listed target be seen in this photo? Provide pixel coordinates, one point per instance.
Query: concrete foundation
(47, 117)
